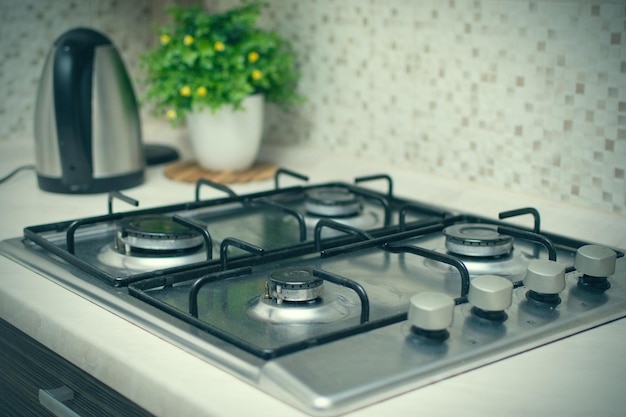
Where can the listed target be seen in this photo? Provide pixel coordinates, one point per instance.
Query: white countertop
(580, 375)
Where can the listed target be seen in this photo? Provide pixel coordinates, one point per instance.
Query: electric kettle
(87, 129)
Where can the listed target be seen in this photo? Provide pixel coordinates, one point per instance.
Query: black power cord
(15, 171)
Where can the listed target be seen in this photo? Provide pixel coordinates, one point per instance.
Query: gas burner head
(332, 202)
(477, 240)
(155, 234)
(294, 285)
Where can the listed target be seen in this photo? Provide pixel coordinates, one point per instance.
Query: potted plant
(215, 71)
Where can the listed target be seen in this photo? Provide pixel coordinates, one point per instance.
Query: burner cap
(476, 239)
(332, 202)
(156, 233)
(294, 285)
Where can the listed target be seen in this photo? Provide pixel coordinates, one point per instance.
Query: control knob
(490, 295)
(545, 279)
(430, 314)
(596, 263)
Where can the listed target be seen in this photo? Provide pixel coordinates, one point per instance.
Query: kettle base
(97, 185)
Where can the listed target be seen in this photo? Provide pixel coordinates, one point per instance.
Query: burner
(294, 296)
(340, 205)
(155, 234)
(145, 263)
(332, 202)
(294, 285)
(477, 240)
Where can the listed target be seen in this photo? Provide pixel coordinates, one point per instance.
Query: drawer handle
(53, 399)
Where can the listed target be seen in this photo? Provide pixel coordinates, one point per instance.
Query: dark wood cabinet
(26, 366)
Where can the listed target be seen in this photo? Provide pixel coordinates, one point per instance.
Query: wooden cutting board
(190, 171)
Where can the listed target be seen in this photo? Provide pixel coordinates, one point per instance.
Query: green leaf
(189, 57)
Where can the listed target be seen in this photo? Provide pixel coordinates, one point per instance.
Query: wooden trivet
(190, 171)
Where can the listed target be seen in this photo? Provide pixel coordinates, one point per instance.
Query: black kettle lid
(83, 36)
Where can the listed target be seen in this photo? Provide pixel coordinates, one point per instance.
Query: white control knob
(490, 293)
(431, 311)
(545, 277)
(595, 260)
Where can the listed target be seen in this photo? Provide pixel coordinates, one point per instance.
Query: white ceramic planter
(227, 140)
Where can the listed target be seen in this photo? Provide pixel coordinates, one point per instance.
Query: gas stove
(332, 296)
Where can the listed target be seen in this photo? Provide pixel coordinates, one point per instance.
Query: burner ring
(332, 202)
(157, 233)
(294, 284)
(476, 239)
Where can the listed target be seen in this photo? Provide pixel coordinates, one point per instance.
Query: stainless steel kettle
(87, 127)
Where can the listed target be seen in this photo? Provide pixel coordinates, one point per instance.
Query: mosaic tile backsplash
(522, 95)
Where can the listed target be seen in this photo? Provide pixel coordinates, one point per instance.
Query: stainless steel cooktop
(331, 297)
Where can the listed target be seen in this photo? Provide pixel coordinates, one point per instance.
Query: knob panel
(545, 277)
(595, 260)
(431, 311)
(491, 293)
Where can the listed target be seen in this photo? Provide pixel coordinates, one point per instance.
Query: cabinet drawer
(26, 366)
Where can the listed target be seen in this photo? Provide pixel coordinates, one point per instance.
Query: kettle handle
(72, 81)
